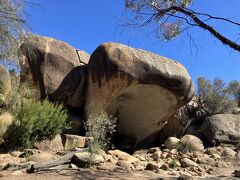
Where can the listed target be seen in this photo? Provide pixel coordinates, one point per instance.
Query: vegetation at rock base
(101, 127)
(36, 121)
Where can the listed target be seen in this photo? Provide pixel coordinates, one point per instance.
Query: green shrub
(36, 121)
(101, 128)
(216, 96)
(212, 97)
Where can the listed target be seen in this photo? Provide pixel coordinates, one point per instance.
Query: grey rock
(140, 88)
(55, 68)
(172, 143)
(222, 128)
(70, 142)
(192, 143)
(228, 152)
(185, 162)
(85, 158)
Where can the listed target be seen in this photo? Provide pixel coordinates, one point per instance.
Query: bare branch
(214, 17)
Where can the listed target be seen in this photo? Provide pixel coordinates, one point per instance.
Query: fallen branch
(47, 165)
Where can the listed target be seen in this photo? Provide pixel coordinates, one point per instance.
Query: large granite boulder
(140, 88)
(5, 84)
(222, 128)
(55, 68)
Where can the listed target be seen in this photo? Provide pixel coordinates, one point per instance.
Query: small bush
(212, 97)
(101, 128)
(216, 96)
(36, 121)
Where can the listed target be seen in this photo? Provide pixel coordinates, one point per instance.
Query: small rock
(228, 152)
(174, 163)
(197, 154)
(140, 157)
(185, 176)
(85, 158)
(54, 144)
(192, 143)
(216, 156)
(172, 143)
(153, 150)
(7, 159)
(193, 173)
(164, 155)
(123, 156)
(16, 153)
(235, 110)
(185, 162)
(155, 156)
(106, 166)
(107, 157)
(206, 160)
(221, 164)
(165, 167)
(125, 164)
(173, 151)
(70, 142)
(238, 154)
(152, 166)
(139, 167)
(212, 151)
(41, 157)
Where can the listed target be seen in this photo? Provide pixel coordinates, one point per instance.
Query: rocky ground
(166, 162)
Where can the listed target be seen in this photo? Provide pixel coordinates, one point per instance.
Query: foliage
(234, 88)
(171, 18)
(101, 127)
(167, 29)
(12, 25)
(36, 121)
(211, 98)
(217, 98)
(183, 148)
(175, 161)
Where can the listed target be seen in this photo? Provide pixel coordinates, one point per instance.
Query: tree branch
(199, 22)
(213, 17)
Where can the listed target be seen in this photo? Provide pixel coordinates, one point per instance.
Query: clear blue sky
(85, 24)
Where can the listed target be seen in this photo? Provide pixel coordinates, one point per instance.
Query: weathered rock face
(52, 66)
(174, 128)
(222, 128)
(5, 84)
(6, 120)
(140, 88)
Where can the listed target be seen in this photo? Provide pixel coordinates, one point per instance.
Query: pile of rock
(141, 89)
(164, 161)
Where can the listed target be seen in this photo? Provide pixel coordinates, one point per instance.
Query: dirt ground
(226, 173)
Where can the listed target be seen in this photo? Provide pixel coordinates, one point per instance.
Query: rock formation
(140, 88)
(55, 68)
(222, 128)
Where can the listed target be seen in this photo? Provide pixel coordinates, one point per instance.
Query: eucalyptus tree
(173, 17)
(12, 25)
